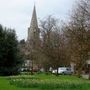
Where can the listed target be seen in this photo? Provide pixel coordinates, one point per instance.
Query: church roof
(34, 19)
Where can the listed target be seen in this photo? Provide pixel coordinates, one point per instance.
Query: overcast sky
(17, 13)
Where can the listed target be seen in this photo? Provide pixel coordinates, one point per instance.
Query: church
(32, 43)
(33, 30)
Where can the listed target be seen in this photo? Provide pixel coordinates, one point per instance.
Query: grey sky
(17, 13)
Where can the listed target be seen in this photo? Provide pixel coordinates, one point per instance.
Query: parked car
(63, 70)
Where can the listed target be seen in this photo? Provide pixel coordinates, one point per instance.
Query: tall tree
(78, 34)
(10, 58)
(53, 44)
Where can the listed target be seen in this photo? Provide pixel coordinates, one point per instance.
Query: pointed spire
(33, 25)
(34, 18)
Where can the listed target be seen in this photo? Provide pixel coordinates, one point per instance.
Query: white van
(63, 70)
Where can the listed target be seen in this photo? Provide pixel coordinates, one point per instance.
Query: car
(63, 70)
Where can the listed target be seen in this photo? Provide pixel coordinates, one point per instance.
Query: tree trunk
(57, 72)
(32, 72)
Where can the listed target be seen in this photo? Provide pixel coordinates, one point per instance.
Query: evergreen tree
(10, 58)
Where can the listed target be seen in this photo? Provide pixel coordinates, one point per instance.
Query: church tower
(33, 41)
(33, 30)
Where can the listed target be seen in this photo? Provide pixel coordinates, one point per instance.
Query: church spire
(33, 29)
(34, 23)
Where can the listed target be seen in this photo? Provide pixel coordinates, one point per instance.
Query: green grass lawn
(43, 82)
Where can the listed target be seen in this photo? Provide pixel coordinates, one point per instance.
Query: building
(33, 30)
(32, 42)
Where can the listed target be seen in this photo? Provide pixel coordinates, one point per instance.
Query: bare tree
(53, 44)
(78, 35)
